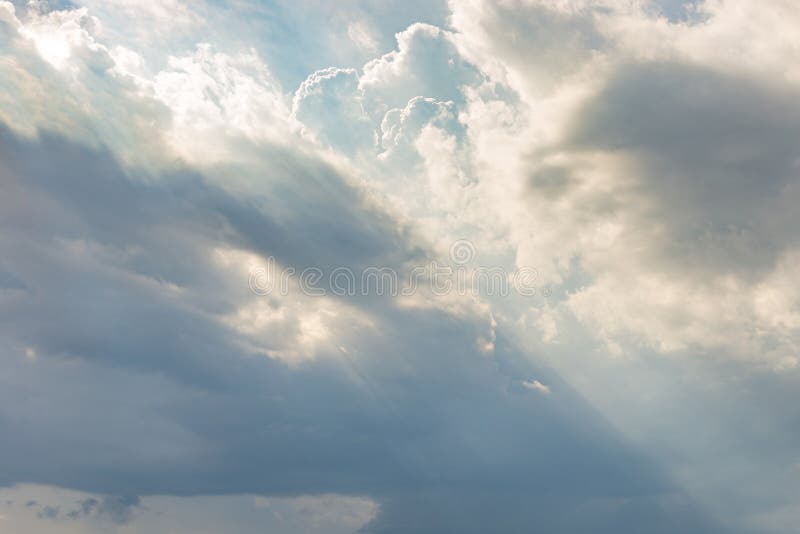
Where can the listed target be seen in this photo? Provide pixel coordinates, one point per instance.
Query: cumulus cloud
(669, 174)
(426, 63)
(714, 178)
(328, 99)
(612, 146)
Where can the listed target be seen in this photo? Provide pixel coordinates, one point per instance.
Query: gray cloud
(146, 393)
(715, 156)
(119, 510)
(660, 196)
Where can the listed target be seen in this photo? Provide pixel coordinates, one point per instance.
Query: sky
(399, 266)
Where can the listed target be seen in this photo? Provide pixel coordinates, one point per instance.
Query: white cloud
(46, 509)
(326, 101)
(645, 167)
(214, 96)
(595, 213)
(537, 386)
(57, 77)
(426, 63)
(362, 35)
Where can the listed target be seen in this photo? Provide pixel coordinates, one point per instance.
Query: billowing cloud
(165, 192)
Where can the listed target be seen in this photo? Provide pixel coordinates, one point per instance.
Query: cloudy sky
(191, 194)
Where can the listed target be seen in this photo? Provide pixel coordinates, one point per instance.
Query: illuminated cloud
(637, 158)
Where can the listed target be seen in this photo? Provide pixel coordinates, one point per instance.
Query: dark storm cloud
(430, 512)
(133, 391)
